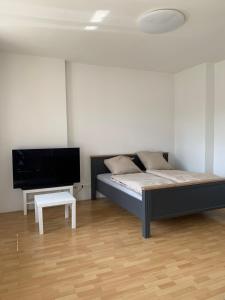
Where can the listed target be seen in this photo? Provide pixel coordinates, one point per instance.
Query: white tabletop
(53, 199)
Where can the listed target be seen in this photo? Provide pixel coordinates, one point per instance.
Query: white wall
(194, 101)
(219, 133)
(190, 93)
(32, 113)
(209, 118)
(114, 110)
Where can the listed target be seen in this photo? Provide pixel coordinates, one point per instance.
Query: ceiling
(56, 28)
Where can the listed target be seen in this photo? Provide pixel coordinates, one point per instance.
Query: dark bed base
(161, 203)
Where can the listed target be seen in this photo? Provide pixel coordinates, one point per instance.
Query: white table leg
(24, 203)
(66, 211)
(36, 212)
(71, 190)
(73, 208)
(40, 220)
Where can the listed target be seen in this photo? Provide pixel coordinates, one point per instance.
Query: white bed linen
(179, 176)
(107, 178)
(138, 181)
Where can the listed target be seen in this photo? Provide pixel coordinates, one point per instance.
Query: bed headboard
(98, 167)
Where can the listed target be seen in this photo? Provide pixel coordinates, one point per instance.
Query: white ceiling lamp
(161, 20)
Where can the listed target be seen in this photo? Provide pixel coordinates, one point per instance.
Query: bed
(157, 203)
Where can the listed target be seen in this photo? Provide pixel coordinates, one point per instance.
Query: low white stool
(54, 199)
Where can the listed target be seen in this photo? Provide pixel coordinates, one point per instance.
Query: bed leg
(93, 180)
(93, 195)
(146, 220)
(146, 230)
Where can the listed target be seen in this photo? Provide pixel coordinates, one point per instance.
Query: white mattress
(107, 179)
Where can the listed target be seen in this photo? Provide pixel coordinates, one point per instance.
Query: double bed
(160, 201)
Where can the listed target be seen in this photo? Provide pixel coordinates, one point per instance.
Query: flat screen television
(43, 168)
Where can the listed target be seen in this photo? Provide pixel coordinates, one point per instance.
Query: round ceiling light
(161, 20)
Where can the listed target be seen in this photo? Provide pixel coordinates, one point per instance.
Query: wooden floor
(106, 257)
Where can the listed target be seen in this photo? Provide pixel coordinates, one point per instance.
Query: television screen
(42, 168)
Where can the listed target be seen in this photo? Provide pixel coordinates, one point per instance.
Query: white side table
(42, 190)
(54, 199)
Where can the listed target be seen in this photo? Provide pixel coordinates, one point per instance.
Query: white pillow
(121, 165)
(153, 160)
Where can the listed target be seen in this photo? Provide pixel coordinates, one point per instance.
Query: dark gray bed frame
(159, 203)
